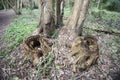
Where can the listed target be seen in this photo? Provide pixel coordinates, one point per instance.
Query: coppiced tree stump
(36, 46)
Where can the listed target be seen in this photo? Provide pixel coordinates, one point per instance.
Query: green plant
(3, 53)
(22, 27)
(44, 67)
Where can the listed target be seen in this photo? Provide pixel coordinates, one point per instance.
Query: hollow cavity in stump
(36, 46)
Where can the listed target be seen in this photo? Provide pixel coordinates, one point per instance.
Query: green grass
(106, 16)
(22, 27)
(103, 20)
(44, 67)
(107, 20)
(3, 53)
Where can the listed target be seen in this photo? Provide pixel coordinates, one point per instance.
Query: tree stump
(85, 50)
(36, 46)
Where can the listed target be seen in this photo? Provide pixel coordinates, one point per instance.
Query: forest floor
(6, 17)
(15, 68)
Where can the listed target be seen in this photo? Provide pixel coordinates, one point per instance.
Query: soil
(6, 17)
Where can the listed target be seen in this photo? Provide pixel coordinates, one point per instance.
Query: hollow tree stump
(36, 46)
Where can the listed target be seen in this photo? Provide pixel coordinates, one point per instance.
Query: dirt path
(6, 17)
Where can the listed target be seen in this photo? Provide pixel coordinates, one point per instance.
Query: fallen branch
(104, 31)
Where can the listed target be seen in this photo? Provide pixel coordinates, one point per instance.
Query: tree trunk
(59, 12)
(78, 16)
(58, 23)
(79, 27)
(98, 4)
(79, 45)
(31, 2)
(62, 11)
(3, 3)
(18, 7)
(21, 5)
(47, 23)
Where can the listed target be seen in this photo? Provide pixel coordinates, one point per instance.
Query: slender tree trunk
(17, 6)
(21, 2)
(62, 11)
(59, 12)
(3, 3)
(31, 2)
(8, 3)
(98, 3)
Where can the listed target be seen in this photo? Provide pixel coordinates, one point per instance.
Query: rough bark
(47, 23)
(81, 47)
(78, 16)
(79, 26)
(59, 12)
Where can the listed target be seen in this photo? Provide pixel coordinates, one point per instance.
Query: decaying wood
(35, 47)
(85, 50)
